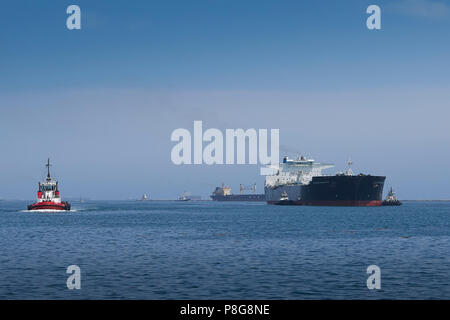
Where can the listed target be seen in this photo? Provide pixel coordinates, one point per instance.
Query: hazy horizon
(102, 101)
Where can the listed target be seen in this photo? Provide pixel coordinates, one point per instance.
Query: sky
(102, 101)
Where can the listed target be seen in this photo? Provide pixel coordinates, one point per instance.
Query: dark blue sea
(211, 250)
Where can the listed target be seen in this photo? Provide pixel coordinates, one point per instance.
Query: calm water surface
(210, 250)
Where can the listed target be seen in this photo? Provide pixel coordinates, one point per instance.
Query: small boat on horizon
(48, 196)
(391, 199)
(144, 198)
(186, 196)
(284, 200)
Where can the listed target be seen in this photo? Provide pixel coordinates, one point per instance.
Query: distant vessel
(144, 198)
(224, 194)
(48, 197)
(284, 200)
(300, 182)
(186, 196)
(391, 199)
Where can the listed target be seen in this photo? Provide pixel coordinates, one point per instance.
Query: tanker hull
(339, 190)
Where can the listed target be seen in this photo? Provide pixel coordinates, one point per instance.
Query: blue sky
(102, 101)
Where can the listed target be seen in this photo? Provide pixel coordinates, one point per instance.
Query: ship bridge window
(47, 188)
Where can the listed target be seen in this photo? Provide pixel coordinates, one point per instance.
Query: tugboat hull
(391, 203)
(63, 206)
(284, 203)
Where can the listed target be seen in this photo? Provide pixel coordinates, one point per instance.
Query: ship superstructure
(295, 171)
(300, 181)
(48, 196)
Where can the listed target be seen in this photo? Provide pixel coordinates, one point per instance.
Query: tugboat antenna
(48, 165)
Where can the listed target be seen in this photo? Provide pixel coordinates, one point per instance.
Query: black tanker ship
(300, 182)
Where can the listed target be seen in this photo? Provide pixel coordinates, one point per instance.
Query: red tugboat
(48, 197)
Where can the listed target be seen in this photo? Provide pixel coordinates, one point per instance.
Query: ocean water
(211, 250)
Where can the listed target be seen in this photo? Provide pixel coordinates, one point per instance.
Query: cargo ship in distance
(223, 193)
(301, 182)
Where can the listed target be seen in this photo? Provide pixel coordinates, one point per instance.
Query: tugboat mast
(48, 165)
